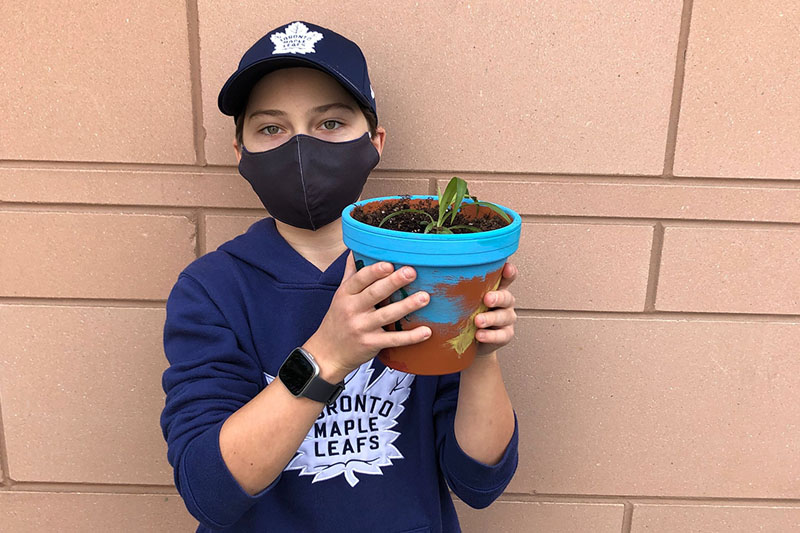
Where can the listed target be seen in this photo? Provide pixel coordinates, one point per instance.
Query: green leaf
(496, 210)
(446, 199)
(430, 226)
(461, 190)
(387, 217)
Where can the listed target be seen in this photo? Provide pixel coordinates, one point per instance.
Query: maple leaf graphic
(355, 436)
(295, 39)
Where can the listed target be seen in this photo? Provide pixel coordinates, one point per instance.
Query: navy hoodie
(380, 459)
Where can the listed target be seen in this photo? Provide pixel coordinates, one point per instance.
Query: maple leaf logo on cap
(295, 39)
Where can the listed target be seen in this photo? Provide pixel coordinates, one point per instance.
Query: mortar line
(699, 223)
(610, 179)
(388, 173)
(101, 488)
(96, 209)
(7, 480)
(45, 301)
(127, 209)
(432, 186)
(682, 316)
(627, 518)
(645, 499)
(677, 90)
(200, 233)
(193, 33)
(189, 211)
(655, 267)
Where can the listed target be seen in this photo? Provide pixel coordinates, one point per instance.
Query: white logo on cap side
(295, 39)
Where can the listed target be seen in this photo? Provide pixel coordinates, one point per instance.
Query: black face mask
(307, 182)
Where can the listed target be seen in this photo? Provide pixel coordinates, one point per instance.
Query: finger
(386, 286)
(495, 336)
(392, 339)
(510, 273)
(366, 276)
(395, 311)
(499, 299)
(497, 318)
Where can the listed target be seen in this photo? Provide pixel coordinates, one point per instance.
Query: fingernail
(426, 333)
(492, 299)
(480, 322)
(386, 267)
(423, 297)
(408, 272)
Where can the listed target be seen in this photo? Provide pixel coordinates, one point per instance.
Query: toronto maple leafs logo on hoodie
(354, 435)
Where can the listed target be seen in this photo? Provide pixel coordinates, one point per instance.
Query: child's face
(291, 101)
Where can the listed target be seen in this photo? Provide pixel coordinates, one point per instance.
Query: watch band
(321, 391)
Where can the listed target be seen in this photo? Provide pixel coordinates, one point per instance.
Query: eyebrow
(271, 112)
(326, 107)
(316, 110)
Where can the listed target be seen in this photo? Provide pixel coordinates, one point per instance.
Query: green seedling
(450, 202)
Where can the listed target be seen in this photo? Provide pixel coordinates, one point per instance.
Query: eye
(271, 130)
(331, 125)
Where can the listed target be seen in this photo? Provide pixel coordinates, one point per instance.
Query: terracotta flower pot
(456, 270)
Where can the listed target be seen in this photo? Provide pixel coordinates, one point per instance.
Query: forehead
(298, 87)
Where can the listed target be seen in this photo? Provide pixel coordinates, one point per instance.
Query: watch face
(296, 372)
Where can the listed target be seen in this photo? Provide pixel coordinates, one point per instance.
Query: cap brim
(233, 96)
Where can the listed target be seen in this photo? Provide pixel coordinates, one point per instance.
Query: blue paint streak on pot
(431, 279)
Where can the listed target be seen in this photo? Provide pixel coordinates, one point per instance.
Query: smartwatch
(300, 374)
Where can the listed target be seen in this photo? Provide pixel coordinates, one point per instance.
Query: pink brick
(34, 512)
(722, 518)
(730, 270)
(96, 82)
(552, 517)
(659, 407)
(222, 228)
(92, 255)
(82, 394)
(126, 187)
(582, 266)
(522, 97)
(740, 109)
(380, 186)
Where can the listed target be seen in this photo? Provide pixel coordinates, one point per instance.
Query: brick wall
(651, 147)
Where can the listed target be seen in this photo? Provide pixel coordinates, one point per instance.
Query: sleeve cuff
(210, 490)
(475, 475)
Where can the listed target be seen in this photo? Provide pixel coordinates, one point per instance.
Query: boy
(277, 417)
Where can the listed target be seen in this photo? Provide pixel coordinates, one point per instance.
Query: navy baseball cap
(298, 44)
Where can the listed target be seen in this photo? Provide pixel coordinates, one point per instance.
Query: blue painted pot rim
(430, 249)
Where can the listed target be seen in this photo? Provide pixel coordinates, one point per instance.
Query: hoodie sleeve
(208, 379)
(476, 484)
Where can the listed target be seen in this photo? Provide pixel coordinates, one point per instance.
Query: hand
(351, 332)
(496, 326)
